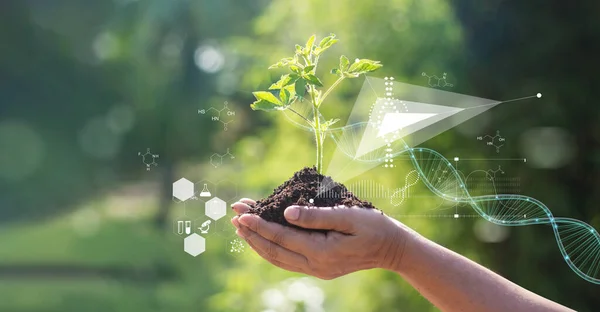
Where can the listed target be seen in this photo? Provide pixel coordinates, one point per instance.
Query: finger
(282, 265)
(240, 208)
(248, 201)
(271, 251)
(235, 222)
(341, 219)
(299, 241)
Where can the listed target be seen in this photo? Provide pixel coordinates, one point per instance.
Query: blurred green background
(87, 85)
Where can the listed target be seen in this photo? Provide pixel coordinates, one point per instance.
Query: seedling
(303, 84)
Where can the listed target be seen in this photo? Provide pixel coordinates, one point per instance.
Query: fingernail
(240, 233)
(292, 213)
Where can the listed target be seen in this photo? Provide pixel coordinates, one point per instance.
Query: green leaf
(325, 44)
(329, 44)
(363, 66)
(280, 83)
(335, 71)
(295, 69)
(283, 62)
(285, 80)
(265, 106)
(307, 69)
(310, 43)
(314, 80)
(267, 96)
(291, 85)
(300, 87)
(325, 41)
(344, 63)
(276, 65)
(298, 49)
(284, 95)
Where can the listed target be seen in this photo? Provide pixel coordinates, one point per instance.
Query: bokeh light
(209, 59)
(488, 232)
(294, 292)
(548, 147)
(105, 46)
(97, 139)
(120, 119)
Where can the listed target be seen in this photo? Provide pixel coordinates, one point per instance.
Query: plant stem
(331, 88)
(319, 141)
(318, 136)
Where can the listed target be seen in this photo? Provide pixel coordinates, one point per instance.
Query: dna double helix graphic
(401, 194)
(579, 242)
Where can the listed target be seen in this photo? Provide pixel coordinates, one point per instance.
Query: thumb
(342, 219)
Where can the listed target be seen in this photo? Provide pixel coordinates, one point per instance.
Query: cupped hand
(357, 239)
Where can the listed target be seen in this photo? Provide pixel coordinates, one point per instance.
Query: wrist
(400, 243)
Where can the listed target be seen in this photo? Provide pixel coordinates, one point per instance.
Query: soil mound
(299, 190)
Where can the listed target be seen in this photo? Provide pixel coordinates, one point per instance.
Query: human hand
(358, 239)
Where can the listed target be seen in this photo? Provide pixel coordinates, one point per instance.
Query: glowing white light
(490, 233)
(273, 299)
(209, 59)
(105, 46)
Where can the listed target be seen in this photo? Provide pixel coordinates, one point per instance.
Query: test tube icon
(188, 227)
(179, 227)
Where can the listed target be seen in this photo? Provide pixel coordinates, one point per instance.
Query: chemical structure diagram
(148, 159)
(496, 141)
(217, 159)
(492, 173)
(236, 246)
(218, 114)
(437, 82)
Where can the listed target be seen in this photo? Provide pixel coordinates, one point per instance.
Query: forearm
(454, 283)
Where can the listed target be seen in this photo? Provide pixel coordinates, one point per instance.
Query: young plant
(302, 84)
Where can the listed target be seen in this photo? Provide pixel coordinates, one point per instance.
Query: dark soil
(299, 190)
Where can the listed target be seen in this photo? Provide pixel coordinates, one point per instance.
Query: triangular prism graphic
(384, 119)
(393, 116)
(397, 121)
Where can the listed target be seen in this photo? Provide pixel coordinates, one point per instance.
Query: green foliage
(303, 80)
(267, 101)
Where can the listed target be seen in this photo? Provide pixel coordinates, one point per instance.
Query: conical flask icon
(205, 192)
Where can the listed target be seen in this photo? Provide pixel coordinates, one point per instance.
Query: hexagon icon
(215, 208)
(206, 226)
(194, 244)
(205, 190)
(183, 189)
